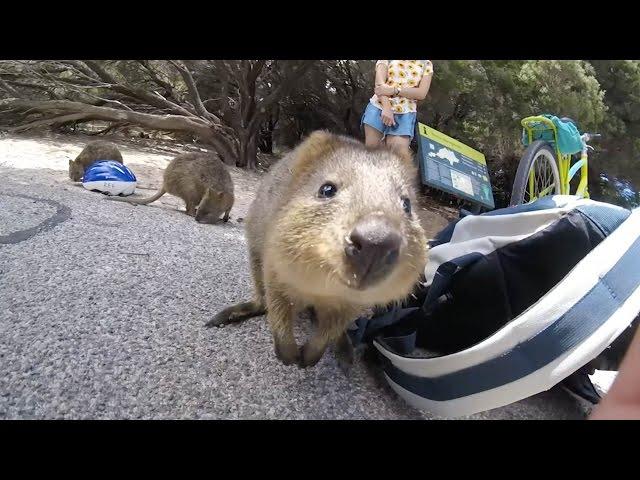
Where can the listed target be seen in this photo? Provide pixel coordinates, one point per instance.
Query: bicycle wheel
(540, 158)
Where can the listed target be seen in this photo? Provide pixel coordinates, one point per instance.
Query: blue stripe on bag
(568, 331)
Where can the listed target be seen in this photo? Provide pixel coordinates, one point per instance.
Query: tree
(162, 95)
(239, 107)
(618, 152)
(568, 88)
(334, 96)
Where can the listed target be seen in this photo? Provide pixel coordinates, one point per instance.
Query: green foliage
(565, 88)
(479, 102)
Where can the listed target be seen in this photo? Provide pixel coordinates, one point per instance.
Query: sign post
(449, 165)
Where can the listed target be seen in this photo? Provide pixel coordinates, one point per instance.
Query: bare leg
(623, 400)
(372, 136)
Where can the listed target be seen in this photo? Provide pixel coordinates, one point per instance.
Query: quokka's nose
(372, 249)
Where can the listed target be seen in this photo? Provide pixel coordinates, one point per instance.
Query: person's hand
(387, 117)
(384, 90)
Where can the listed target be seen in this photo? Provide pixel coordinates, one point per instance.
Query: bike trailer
(513, 302)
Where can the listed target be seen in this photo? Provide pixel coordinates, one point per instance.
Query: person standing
(391, 113)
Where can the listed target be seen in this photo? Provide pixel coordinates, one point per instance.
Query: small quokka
(202, 181)
(94, 151)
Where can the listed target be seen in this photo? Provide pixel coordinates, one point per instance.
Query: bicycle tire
(536, 149)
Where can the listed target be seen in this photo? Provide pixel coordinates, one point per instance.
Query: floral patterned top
(403, 74)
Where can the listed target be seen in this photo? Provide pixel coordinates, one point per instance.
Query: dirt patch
(434, 216)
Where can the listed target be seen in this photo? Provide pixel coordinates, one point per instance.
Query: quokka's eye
(327, 190)
(406, 205)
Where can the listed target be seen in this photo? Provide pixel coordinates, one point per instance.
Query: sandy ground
(103, 311)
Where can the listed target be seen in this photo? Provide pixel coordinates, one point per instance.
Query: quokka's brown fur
(202, 181)
(94, 151)
(301, 243)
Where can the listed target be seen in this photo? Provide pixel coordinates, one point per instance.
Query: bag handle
(368, 326)
(444, 275)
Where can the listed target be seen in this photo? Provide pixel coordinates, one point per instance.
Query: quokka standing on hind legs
(94, 151)
(331, 228)
(202, 181)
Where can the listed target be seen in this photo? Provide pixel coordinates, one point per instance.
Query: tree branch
(290, 79)
(160, 122)
(156, 79)
(153, 99)
(50, 121)
(193, 92)
(77, 110)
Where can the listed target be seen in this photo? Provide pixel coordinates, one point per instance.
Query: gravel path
(102, 312)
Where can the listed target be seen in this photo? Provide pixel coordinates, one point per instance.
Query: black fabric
(444, 276)
(498, 287)
(366, 328)
(394, 321)
(403, 344)
(580, 385)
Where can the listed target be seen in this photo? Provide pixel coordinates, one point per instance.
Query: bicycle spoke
(543, 180)
(541, 177)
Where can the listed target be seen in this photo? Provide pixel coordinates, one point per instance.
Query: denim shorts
(405, 122)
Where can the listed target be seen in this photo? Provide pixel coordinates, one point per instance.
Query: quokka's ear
(317, 145)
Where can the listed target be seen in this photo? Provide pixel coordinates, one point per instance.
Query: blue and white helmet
(109, 177)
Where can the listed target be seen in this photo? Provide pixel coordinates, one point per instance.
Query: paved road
(102, 313)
